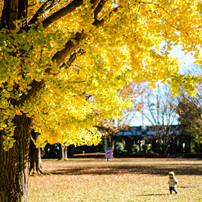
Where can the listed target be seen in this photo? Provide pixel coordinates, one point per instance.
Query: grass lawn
(135, 179)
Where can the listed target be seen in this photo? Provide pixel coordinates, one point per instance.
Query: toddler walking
(172, 182)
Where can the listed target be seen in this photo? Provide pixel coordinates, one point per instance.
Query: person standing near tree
(172, 182)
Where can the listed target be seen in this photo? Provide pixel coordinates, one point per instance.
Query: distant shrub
(146, 147)
(119, 148)
(135, 148)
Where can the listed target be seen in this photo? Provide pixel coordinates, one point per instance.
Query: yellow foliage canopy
(65, 67)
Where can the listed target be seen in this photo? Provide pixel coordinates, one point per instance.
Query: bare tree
(160, 111)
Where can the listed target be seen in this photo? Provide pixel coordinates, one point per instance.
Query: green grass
(118, 180)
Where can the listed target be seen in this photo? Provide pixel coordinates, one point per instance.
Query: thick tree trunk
(13, 10)
(14, 163)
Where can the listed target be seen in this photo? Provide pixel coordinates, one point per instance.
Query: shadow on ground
(107, 169)
(153, 195)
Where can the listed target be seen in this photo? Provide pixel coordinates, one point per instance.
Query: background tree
(189, 111)
(155, 107)
(134, 92)
(190, 118)
(63, 152)
(160, 111)
(54, 52)
(35, 166)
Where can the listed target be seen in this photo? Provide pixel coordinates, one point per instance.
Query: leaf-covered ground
(117, 180)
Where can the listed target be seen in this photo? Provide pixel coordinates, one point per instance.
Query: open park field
(136, 179)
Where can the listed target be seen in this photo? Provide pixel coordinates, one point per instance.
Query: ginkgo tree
(63, 62)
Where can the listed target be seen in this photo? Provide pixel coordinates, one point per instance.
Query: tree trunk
(35, 157)
(63, 152)
(13, 10)
(14, 163)
(113, 141)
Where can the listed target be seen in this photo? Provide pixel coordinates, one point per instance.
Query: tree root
(38, 171)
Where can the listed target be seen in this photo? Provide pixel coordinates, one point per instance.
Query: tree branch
(44, 10)
(72, 59)
(67, 64)
(99, 8)
(62, 12)
(69, 48)
(94, 3)
(98, 23)
(36, 86)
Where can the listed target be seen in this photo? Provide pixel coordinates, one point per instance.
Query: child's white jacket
(172, 182)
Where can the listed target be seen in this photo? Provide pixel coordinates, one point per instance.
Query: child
(172, 182)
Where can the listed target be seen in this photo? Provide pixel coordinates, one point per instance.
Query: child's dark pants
(172, 189)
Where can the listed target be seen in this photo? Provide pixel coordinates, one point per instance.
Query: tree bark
(13, 10)
(14, 163)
